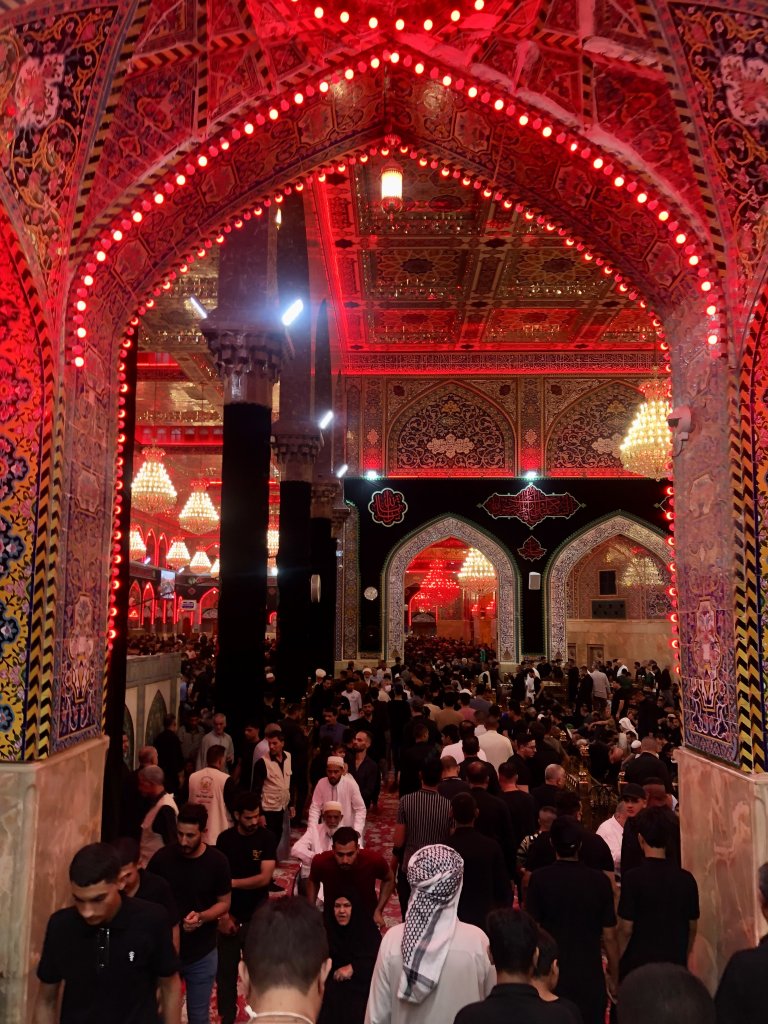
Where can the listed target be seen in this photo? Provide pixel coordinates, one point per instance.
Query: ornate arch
(587, 433)
(451, 428)
(569, 554)
(401, 556)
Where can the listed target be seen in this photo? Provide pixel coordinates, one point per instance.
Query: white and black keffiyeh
(435, 874)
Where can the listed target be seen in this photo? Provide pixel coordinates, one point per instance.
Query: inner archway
(559, 570)
(462, 536)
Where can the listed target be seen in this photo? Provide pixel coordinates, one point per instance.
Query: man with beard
(318, 838)
(252, 855)
(88, 947)
(201, 883)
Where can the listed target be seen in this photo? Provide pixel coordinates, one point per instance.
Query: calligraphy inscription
(387, 507)
(531, 506)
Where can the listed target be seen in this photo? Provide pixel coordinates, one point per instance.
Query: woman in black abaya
(354, 942)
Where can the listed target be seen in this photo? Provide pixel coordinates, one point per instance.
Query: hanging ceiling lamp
(647, 448)
(201, 563)
(476, 572)
(642, 572)
(438, 586)
(215, 568)
(199, 514)
(152, 490)
(273, 540)
(178, 554)
(136, 546)
(391, 189)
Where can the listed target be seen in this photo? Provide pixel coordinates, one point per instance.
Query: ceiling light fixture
(647, 448)
(391, 189)
(178, 554)
(342, 470)
(199, 515)
(215, 568)
(198, 306)
(326, 419)
(293, 311)
(136, 546)
(152, 490)
(201, 563)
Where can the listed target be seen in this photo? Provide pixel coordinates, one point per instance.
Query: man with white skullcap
(432, 965)
(319, 836)
(342, 788)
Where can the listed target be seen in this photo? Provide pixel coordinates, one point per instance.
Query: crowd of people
(276, 849)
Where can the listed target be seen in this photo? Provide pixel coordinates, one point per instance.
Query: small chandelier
(647, 448)
(642, 572)
(152, 490)
(215, 568)
(438, 586)
(201, 563)
(273, 541)
(178, 554)
(476, 572)
(391, 189)
(136, 546)
(199, 514)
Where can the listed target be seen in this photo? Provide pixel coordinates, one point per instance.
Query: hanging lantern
(136, 546)
(647, 448)
(199, 515)
(152, 490)
(476, 572)
(200, 563)
(178, 554)
(215, 568)
(391, 189)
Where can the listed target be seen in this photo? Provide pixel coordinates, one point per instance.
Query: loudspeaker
(534, 581)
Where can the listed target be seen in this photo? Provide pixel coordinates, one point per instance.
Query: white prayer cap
(367, 671)
(270, 677)
(338, 761)
(320, 673)
(332, 805)
(636, 745)
(626, 725)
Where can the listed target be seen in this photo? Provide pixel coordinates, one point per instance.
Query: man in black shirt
(574, 903)
(593, 850)
(741, 993)
(648, 765)
(201, 883)
(413, 758)
(659, 904)
(363, 769)
(526, 750)
(252, 855)
(143, 885)
(521, 805)
(486, 880)
(493, 818)
(554, 783)
(450, 784)
(513, 939)
(110, 951)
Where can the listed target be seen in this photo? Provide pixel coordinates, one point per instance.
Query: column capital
(339, 515)
(248, 357)
(324, 494)
(296, 445)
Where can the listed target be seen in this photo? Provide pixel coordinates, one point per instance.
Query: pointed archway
(401, 556)
(570, 554)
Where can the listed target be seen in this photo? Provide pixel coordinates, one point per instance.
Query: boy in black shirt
(201, 883)
(110, 951)
(252, 855)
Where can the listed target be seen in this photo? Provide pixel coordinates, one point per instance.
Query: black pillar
(114, 705)
(243, 560)
(323, 612)
(294, 569)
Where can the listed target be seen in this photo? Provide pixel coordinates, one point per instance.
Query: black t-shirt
(523, 769)
(594, 852)
(109, 973)
(196, 884)
(512, 1002)
(522, 811)
(156, 890)
(659, 899)
(245, 855)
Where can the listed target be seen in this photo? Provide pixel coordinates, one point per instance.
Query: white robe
(347, 793)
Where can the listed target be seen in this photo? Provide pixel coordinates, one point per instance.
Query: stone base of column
(48, 810)
(724, 827)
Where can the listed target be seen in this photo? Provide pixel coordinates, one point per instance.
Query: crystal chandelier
(152, 490)
(199, 514)
(215, 568)
(647, 448)
(476, 572)
(136, 546)
(178, 554)
(201, 563)
(438, 586)
(273, 541)
(642, 572)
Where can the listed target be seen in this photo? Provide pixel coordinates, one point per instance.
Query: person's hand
(227, 924)
(612, 984)
(378, 918)
(343, 973)
(191, 922)
(292, 812)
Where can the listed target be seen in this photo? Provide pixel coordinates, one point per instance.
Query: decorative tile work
(587, 433)
(531, 551)
(350, 590)
(507, 576)
(564, 560)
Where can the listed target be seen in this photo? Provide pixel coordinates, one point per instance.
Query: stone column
(296, 446)
(249, 346)
(323, 610)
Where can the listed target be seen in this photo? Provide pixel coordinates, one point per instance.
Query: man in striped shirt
(423, 819)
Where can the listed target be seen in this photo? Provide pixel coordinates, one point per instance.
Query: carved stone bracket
(324, 494)
(339, 515)
(296, 446)
(248, 358)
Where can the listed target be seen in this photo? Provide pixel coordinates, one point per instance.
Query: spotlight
(342, 471)
(371, 474)
(530, 474)
(198, 307)
(292, 312)
(326, 419)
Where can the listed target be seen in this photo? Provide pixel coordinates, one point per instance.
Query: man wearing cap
(158, 826)
(340, 788)
(319, 836)
(574, 903)
(648, 765)
(322, 694)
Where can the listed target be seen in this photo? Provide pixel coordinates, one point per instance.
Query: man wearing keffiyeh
(432, 965)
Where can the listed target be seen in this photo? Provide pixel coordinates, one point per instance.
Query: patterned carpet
(378, 836)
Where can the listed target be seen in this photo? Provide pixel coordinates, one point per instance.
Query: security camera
(680, 419)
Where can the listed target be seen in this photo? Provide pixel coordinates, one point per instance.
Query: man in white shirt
(217, 736)
(319, 837)
(456, 750)
(342, 789)
(212, 787)
(493, 744)
(612, 831)
(354, 698)
(601, 686)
